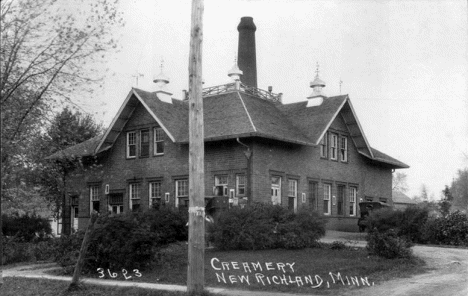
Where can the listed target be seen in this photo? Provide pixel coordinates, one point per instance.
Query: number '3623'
(113, 275)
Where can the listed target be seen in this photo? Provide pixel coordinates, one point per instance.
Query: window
(134, 193)
(326, 199)
(313, 201)
(116, 203)
(292, 195)
(158, 141)
(131, 144)
(240, 185)
(333, 146)
(292, 188)
(384, 200)
(221, 180)
(352, 201)
(341, 198)
(324, 146)
(221, 183)
(144, 143)
(94, 198)
(182, 193)
(344, 149)
(155, 194)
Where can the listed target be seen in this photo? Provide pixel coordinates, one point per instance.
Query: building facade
(311, 155)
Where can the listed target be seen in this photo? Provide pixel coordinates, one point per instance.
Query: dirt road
(449, 277)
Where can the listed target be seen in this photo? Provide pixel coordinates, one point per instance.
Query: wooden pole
(196, 251)
(1, 244)
(83, 250)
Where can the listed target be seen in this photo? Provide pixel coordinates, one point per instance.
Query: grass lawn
(293, 271)
(36, 287)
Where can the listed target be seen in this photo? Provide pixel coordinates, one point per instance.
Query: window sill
(158, 155)
(131, 157)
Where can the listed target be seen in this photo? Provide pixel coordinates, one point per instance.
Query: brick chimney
(247, 59)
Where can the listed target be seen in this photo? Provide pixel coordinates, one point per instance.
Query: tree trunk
(83, 250)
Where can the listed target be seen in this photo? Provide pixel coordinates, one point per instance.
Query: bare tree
(51, 51)
(399, 182)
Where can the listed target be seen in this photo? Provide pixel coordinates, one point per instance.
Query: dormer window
(158, 141)
(344, 149)
(324, 146)
(144, 143)
(333, 146)
(131, 144)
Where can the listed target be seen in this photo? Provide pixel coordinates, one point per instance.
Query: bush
(266, 226)
(388, 244)
(128, 241)
(407, 223)
(26, 228)
(15, 250)
(449, 230)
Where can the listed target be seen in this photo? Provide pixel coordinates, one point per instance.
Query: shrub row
(128, 241)
(449, 230)
(391, 233)
(15, 250)
(266, 226)
(26, 228)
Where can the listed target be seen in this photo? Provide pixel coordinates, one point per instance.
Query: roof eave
(251, 135)
(396, 165)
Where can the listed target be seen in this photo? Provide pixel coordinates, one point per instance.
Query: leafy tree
(446, 202)
(424, 195)
(459, 190)
(399, 182)
(68, 128)
(52, 52)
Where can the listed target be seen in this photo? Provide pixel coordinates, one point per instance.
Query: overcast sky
(403, 64)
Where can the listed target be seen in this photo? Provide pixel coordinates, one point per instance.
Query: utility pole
(196, 251)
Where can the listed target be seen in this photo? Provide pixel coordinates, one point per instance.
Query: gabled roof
(227, 115)
(315, 121)
(237, 114)
(400, 197)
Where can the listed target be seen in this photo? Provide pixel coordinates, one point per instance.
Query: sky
(402, 63)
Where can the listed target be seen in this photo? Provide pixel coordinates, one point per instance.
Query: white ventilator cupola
(235, 73)
(162, 90)
(317, 95)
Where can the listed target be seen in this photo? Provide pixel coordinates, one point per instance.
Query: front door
(74, 218)
(276, 190)
(292, 203)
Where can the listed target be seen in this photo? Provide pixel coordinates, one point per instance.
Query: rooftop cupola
(162, 81)
(235, 73)
(317, 95)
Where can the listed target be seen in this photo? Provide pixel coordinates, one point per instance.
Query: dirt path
(449, 277)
